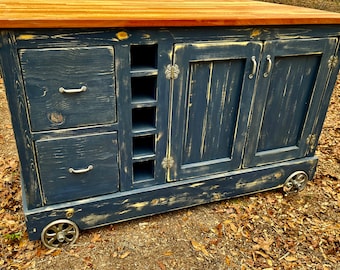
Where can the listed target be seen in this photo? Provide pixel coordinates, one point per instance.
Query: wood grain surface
(141, 13)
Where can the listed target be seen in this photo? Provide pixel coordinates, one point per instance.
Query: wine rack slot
(144, 74)
(143, 89)
(143, 171)
(143, 146)
(143, 119)
(144, 56)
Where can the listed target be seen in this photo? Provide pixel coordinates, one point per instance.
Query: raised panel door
(210, 104)
(290, 85)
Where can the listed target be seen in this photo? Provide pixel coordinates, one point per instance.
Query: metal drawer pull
(252, 74)
(89, 168)
(72, 91)
(269, 66)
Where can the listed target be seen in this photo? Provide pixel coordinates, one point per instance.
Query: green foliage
(13, 236)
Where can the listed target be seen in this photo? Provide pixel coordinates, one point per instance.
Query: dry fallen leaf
(125, 254)
(233, 227)
(218, 230)
(95, 238)
(227, 260)
(270, 262)
(263, 244)
(161, 265)
(168, 253)
(291, 259)
(264, 255)
(199, 247)
(227, 221)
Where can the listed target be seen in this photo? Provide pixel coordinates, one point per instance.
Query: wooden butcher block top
(144, 13)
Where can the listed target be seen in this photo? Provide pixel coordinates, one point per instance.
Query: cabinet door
(292, 78)
(210, 106)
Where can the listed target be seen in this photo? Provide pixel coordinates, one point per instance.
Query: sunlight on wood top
(141, 13)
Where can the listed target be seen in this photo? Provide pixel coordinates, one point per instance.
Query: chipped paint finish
(218, 130)
(116, 208)
(49, 108)
(303, 63)
(122, 35)
(262, 181)
(210, 86)
(94, 219)
(55, 158)
(139, 206)
(196, 185)
(26, 37)
(255, 33)
(214, 187)
(123, 212)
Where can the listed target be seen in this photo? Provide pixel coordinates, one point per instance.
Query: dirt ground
(330, 5)
(261, 231)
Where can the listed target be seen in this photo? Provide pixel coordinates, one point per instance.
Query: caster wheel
(59, 233)
(295, 182)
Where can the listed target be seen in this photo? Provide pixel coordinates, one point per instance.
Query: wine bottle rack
(143, 76)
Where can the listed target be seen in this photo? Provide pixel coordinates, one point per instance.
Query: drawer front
(78, 167)
(69, 87)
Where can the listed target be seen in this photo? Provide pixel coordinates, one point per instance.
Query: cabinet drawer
(69, 87)
(78, 167)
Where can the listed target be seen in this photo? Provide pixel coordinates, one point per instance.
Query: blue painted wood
(9, 60)
(45, 38)
(211, 101)
(78, 167)
(286, 102)
(214, 127)
(123, 84)
(162, 112)
(208, 98)
(163, 198)
(46, 71)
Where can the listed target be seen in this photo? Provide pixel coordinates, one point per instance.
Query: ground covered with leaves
(261, 231)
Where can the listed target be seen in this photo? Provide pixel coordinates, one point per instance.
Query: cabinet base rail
(118, 207)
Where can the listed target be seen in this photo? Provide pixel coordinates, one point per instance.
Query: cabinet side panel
(15, 96)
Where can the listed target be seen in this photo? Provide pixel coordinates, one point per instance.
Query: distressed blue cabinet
(109, 129)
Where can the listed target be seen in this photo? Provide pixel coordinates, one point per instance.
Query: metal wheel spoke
(68, 229)
(51, 240)
(59, 232)
(52, 243)
(71, 233)
(60, 227)
(69, 240)
(51, 234)
(301, 178)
